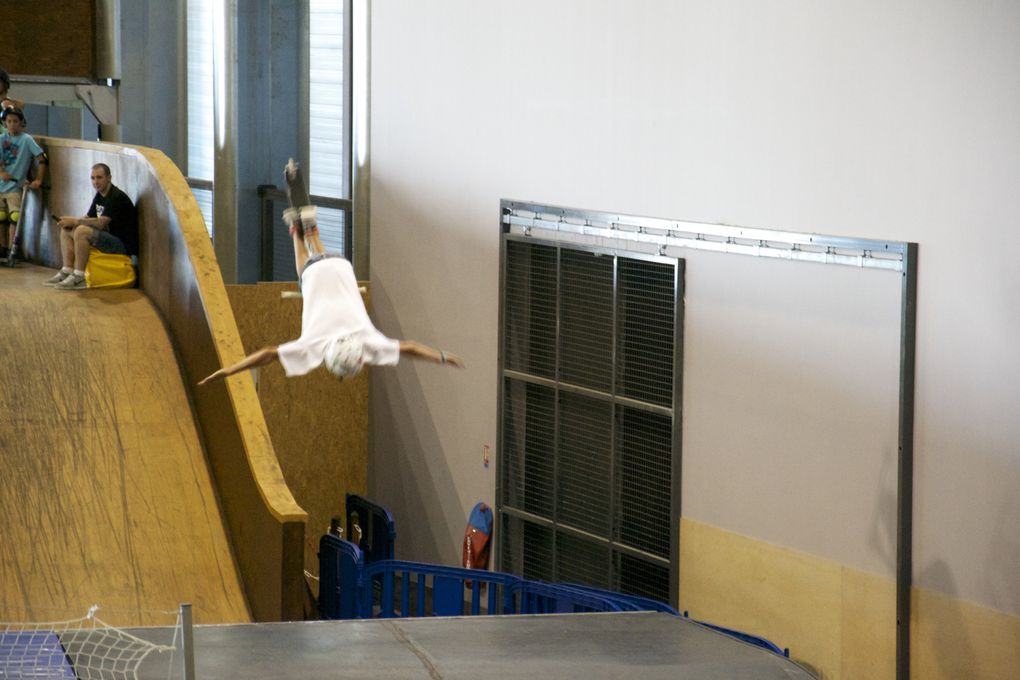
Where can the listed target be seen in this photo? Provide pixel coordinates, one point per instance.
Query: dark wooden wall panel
(54, 38)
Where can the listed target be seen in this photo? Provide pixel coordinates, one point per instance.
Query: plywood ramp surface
(106, 497)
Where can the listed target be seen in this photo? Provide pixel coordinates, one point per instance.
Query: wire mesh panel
(647, 310)
(581, 561)
(586, 319)
(589, 345)
(584, 447)
(636, 576)
(529, 447)
(530, 309)
(527, 549)
(643, 477)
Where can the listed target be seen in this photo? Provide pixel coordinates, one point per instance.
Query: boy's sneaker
(72, 282)
(292, 218)
(56, 278)
(309, 220)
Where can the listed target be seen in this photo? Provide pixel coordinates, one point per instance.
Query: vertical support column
(108, 59)
(905, 477)
(181, 109)
(676, 459)
(347, 181)
(498, 559)
(225, 137)
(187, 643)
(361, 172)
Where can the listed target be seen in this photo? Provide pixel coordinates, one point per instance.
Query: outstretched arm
(262, 357)
(417, 350)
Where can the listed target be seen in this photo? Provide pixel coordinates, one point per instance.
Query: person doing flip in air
(335, 328)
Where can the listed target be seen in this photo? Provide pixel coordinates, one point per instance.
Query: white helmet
(344, 356)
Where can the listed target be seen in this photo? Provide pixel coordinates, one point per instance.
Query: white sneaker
(56, 278)
(309, 220)
(72, 282)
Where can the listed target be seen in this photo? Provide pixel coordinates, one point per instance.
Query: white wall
(872, 119)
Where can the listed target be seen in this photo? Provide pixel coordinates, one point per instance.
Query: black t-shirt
(123, 216)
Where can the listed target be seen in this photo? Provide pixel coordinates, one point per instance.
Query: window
(328, 122)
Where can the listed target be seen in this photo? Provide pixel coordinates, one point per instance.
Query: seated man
(111, 225)
(335, 328)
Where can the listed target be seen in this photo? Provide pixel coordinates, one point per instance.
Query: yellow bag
(109, 271)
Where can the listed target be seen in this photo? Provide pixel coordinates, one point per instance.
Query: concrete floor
(641, 645)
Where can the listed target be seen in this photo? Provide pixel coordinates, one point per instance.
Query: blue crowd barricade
(538, 597)
(411, 589)
(352, 586)
(627, 602)
(341, 578)
(371, 526)
(755, 640)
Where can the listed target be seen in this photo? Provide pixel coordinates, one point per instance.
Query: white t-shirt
(332, 307)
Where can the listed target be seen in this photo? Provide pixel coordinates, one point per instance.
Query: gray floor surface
(639, 645)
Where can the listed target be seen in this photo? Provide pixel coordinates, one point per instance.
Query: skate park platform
(648, 645)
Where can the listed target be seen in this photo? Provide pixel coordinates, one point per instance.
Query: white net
(86, 648)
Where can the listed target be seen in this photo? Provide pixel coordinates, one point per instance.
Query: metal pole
(361, 56)
(225, 126)
(905, 477)
(676, 443)
(187, 642)
(108, 59)
(182, 86)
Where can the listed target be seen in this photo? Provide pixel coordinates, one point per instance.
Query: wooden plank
(318, 424)
(105, 493)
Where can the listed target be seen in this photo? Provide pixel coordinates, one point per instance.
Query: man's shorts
(10, 202)
(105, 242)
(317, 257)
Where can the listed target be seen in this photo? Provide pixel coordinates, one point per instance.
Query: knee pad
(3, 215)
(15, 214)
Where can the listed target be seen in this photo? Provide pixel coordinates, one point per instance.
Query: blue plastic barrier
(378, 531)
(350, 588)
(341, 578)
(537, 597)
(755, 640)
(627, 602)
(437, 590)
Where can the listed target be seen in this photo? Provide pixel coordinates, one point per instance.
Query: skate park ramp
(123, 484)
(107, 496)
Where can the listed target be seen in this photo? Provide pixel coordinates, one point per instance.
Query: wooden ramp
(105, 494)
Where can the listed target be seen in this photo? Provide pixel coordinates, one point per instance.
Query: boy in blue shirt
(17, 149)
